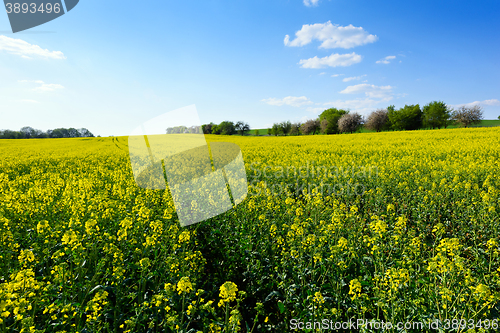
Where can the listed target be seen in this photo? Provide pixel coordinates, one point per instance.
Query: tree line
(434, 115)
(31, 133)
(226, 128)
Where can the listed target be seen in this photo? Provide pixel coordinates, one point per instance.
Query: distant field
(262, 131)
(484, 123)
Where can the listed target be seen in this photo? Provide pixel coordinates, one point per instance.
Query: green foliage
(332, 117)
(227, 128)
(31, 133)
(275, 130)
(295, 129)
(207, 128)
(215, 129)
(407, 118)
(436, 115)
(242, 127)
(285, 127)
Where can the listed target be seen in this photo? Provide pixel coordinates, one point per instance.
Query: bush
(295, 130)
(310, 126)
(350, 122)
(378, 120)
(332, 116)
(468, 115)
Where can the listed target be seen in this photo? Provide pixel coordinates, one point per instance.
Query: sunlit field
(392, 226)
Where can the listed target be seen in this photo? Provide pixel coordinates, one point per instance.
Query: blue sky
(112, 65)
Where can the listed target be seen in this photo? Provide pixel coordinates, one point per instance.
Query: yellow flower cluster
(227, 293)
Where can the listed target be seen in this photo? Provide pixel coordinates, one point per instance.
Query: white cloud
(333, 60)
(43, 87)
(370, 90)
(26, 50)
(48, 87)
(335, 75)
(331, 36)
(315, 110)
(290, 100)
(310, 3)
(322, 73)
(363, 106)
(347, 79)
(493, 102)
(386, 60)
(488, 102)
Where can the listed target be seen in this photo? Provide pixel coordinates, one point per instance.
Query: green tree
(468, 115)
(207, 128)
(73, 133)
(59, 133)
(378, 120)
(310, 126)
(28, 132)
(215, 129)
(8, 134)
(227, 128)
(407, 118)
(285, 127)
(275, 130)
(85, 133)
(242, 127)
(332, 117)
(295, 130)
(436, 114)
(392, 117)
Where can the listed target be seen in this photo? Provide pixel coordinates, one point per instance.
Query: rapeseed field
(392, 226)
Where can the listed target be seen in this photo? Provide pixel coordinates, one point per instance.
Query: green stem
(226, 322)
